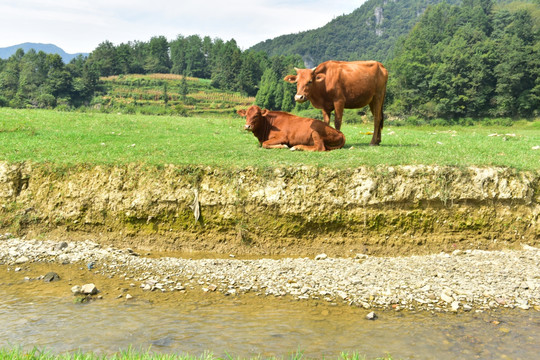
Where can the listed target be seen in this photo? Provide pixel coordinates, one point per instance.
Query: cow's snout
(247, 127)
(300, 98)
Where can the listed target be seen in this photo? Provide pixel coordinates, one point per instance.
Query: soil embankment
(283, 211)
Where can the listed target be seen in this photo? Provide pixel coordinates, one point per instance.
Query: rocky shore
(469, 280)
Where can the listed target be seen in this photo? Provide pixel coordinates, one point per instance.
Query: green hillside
(369, 32)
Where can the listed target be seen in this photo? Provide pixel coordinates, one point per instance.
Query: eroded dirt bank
(292, 211)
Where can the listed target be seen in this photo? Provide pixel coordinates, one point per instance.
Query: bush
(357, 116)
(414, 121)
(153, 110)
(466, 121)
(497, 122)
(129, 109)
(181, 110)
(64, 107)
(311, 113)
(440, 122)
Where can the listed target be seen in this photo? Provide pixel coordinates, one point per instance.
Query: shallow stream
(266, 327)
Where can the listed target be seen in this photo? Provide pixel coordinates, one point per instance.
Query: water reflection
(274, 329)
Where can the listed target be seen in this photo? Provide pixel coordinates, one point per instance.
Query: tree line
(36, 79)
(39, 80)
(228, 67)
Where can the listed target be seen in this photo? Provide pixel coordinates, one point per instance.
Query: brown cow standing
(277, 129)
(335, 85)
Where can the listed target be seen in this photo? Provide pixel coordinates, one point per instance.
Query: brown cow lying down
(277, 129)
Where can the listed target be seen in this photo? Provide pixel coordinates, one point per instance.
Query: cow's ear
(264, 112)
(291, 78)
(241, 112)
(320, 77)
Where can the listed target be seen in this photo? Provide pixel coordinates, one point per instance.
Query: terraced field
(161, 94)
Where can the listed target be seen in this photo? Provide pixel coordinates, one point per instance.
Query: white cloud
(79, 26)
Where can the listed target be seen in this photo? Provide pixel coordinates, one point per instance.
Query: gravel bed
(470, 280)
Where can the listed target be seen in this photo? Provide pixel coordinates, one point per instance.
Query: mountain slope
(368, 33)
(46, 48)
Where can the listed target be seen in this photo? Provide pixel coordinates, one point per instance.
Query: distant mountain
(46, 48)
(368, 33)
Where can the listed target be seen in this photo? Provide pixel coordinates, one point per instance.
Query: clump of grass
(131, 354)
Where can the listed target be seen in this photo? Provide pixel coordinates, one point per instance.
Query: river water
(241, 328)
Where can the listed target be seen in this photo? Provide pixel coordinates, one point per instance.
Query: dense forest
(475, 59)
(40, 80)
(469, 61)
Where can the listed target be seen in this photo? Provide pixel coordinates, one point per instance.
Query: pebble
(371, 316)
(51, 276)
(466, 280)
(89, 289)
(60, 246)
(446, 298)
(22, 260)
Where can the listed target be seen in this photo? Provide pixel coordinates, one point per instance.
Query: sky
(81, 25)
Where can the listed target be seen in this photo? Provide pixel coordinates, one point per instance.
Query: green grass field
(67, 138)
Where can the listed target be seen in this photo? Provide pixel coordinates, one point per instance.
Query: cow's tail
(338, 144)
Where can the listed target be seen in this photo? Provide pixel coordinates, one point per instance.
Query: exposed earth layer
(302, 211)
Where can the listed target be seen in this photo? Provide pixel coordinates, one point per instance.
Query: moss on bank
(383, 210)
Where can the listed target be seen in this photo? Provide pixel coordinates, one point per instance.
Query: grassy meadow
(67, 138)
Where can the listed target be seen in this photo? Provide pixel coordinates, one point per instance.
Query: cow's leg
(376, 109)
(318, 144)
(326, 115)
(275, 143)
(278, 146)
(339, 106)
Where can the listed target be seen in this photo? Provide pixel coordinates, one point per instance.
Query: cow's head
(254, 117)
(304, 79)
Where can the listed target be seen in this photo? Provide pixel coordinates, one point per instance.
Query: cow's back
(355, 81)
(288, 122)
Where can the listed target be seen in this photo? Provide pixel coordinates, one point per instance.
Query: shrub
(311, 113)
(153, 110)
(414, 121)
(440, 122)
(497, 121)
(181, 110)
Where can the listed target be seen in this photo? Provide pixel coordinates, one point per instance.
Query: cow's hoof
(373, 144)
(293, 149)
